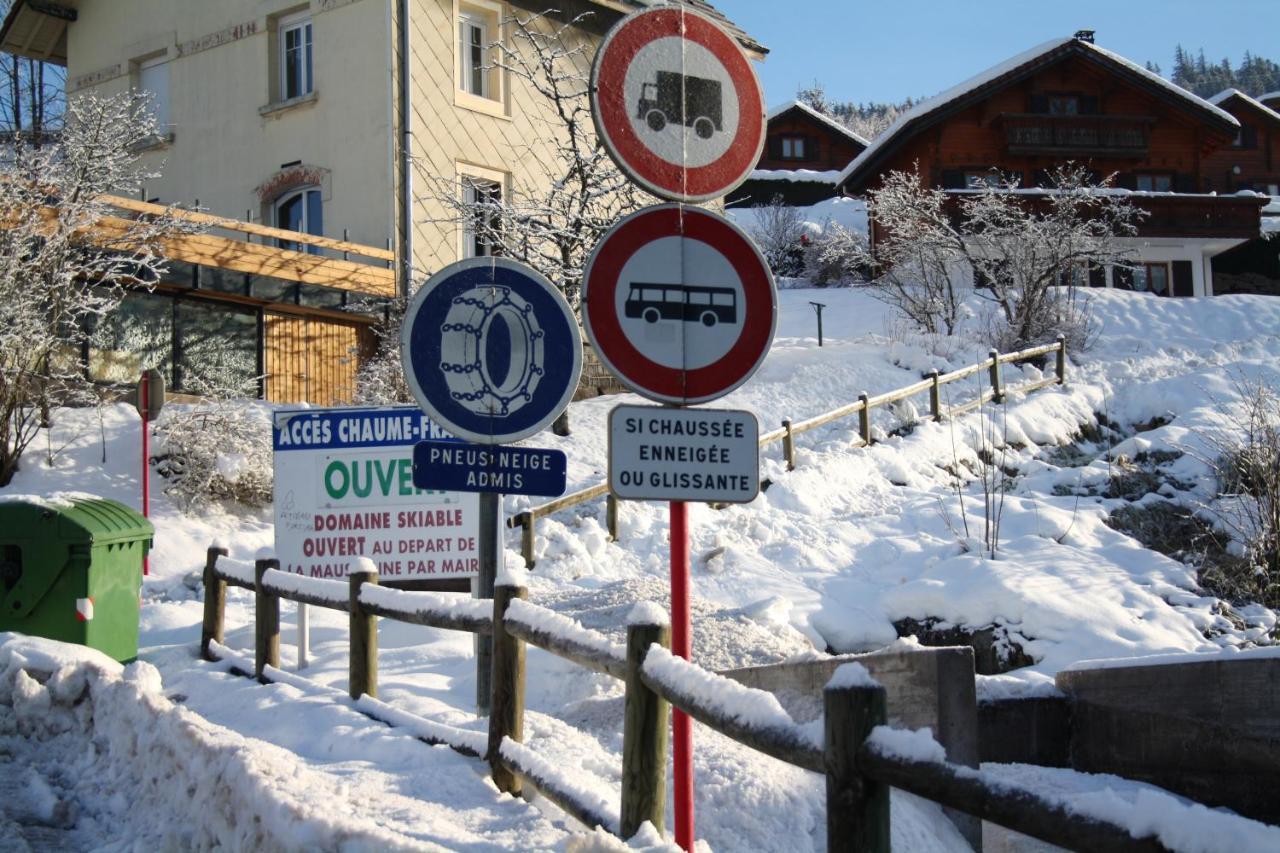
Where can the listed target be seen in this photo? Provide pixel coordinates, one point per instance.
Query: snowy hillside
(828, 559)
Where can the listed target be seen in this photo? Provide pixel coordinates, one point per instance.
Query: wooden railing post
(864, 419)
(935, 396)
(362, 671)
(527, 533)
(506, 704)
(857, 807)
(611, 516)
(1062, 359)
(997, 393)
(644, 736)
(266, 621)
(215, 601)
(789, 445)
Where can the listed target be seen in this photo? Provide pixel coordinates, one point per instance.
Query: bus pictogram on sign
(688, 303)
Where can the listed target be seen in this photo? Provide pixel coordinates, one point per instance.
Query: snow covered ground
(826, 560)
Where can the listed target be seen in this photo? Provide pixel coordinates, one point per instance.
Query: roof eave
(37, 29)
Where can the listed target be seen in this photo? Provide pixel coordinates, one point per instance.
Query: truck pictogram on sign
(682, 99)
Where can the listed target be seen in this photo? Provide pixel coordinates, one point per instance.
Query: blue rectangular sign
(456, 467)
(345, 429)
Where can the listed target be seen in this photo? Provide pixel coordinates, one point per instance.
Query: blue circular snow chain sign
(491, 350)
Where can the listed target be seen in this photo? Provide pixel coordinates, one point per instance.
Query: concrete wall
(931, 687)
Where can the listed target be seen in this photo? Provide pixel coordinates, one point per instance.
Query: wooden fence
(859, 771)
(994, 392)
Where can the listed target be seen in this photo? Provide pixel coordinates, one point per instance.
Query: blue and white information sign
(458, 467)
(491, 350)
(344, 489)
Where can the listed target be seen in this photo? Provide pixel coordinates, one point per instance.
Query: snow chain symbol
(496, 347)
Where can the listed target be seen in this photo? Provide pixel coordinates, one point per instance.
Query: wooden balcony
(1076, 135)
(1200, 216)
(324, 262)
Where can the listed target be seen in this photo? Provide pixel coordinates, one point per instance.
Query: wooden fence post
(215, 601)
(266, 621)
(611, 516)
(789, 445)
(997, 393)
(935, 396)
(857, 807)
(362, 671)
(527, 538)
(506, 705)
(644, 736)
(864, 419)
(1062, 359)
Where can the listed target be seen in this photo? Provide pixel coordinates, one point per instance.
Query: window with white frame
(481, 196)
(153, 80)
(473, 41)
(301, 210)
(296, 61)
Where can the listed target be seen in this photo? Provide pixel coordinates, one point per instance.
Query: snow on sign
(344, 489)
(677, 104)
(679, 304)
(657, 453)
(491, 350)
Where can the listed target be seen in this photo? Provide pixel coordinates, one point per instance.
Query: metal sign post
(678, 107)
(818, 306)
(491, 351)
(148, 402)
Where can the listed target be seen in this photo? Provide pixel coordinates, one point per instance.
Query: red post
(681, 725)
(144, 390)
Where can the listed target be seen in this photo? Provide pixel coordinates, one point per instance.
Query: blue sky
(887, 50)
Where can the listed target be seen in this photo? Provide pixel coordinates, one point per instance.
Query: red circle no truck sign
(677, 104)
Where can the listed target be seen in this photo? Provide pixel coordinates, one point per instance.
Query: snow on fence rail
(995, 392)
(859, 755)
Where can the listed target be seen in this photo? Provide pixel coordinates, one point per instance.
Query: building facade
(1072, 101)
(804, 154)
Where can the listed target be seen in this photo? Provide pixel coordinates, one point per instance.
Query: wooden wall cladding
(311, 360)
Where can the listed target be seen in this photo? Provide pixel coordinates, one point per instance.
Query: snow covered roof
(825, 119)
(799, 176)
(934, 109)
(1227, 94)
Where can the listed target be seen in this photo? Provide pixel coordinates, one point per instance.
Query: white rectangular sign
(658, 453)
(344, 489)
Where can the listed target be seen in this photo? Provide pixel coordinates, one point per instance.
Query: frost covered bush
(778, 232)
(836, 256)
(380, 380)
(218, 448)
(1246, 465)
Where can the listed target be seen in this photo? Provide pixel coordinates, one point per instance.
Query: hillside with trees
(1254, 75)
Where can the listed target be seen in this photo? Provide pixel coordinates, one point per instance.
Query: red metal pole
(681, 725)
(144, 391)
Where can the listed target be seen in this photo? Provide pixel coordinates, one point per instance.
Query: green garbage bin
(71, 570)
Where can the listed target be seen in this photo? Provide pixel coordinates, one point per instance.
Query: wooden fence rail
(994, 392)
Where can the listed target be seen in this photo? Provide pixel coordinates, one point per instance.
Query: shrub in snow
(380, 380)
(1247, 504)
(218, 448)
(836, 256)
(778, 230)
(52, 194)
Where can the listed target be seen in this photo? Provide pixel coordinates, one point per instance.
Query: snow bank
(172, 779)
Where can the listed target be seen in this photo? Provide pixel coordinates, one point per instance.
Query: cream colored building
(289, 112)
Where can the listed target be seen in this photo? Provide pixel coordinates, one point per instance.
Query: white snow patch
(911, 744)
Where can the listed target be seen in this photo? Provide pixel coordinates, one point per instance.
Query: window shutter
(1039, 104)
(811, 148)
(1089, 105)
(953, 179)
(1183, 283)
(1122, 277)
(1097, 276)
(775, 148)
(1184, 183)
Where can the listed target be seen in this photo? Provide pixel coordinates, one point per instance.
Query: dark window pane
(273, 289)
(222, 281)
(217, 349)
(137, 336)
(320, 297)
(181, 274)
(315, 218)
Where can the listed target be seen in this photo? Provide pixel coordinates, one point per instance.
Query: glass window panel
(137, 336)
(320, 297)
(273, 289)
(223, 281)
(217, 349)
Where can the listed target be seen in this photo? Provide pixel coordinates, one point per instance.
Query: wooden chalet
(290, 312)
(804, 154)
(1071, 101)
(1250, 163)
